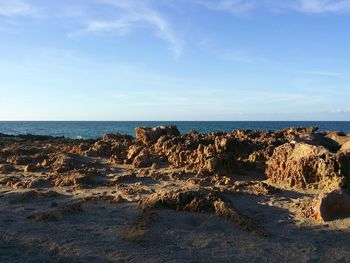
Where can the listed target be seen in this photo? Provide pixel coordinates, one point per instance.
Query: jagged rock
(133, 151)
(20, 160)
(333, 205)
(143, 159)
(343, 156)
(68, 162)
(7, 168)
(81, 148)
(338, 137)
(149, 136)
(30, 168)
(117, 137)
(201, 201)
(304, 166)
(319, 139)
(99, 149)
(73, 179)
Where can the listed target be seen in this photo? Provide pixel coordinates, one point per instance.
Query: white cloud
(341, 111)
(135, 15)
(323, 6)
(13, 8)
(303, 6)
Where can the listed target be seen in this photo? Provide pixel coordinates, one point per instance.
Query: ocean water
(93, 129)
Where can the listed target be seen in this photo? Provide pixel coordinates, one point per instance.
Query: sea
(95, 129)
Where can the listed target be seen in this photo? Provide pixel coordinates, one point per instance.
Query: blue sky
(174, 60)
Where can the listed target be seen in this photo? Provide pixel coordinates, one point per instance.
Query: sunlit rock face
(303, 166)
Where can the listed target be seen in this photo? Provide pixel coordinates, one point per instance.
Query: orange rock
(30, 168)
(303, 166)
(150, 136)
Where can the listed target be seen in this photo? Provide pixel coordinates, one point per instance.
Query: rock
(149, 136)
(345, 148)
(133, 151)
(7, 168)
(333, 205)
(20, 160)
(318, 139)
(303, 166)
(343, 156)
(30, 168)
(99, 149)
(155, 166)
(68, 162)
(143, 159)
(201, 201)
(75, 180)
(338, 137)
(117, 137)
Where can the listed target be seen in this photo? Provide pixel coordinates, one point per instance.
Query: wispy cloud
(341, 111)
(135, 15)
(231, 6)
(323, 6)
(13, 8)
(303, 6)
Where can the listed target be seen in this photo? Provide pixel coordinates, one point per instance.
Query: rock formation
(303, 165)
(149, 136)
(333, 205)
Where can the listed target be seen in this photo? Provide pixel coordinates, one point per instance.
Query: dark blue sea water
(94, 129)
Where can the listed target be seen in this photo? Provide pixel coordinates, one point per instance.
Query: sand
(101, 220)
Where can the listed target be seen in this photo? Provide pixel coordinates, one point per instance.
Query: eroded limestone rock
(302, 165)
(333, 205)
(149, 136)
(201, 201)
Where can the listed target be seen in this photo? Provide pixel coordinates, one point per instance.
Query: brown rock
(20, 160)
(149, 136)
(333, 205)
(30, 168)
(99, 149)
(343, 156)
(76, 180)
(304, 166)
(200, 201)
(7, 168)
(143, 159)
(338, 137)
(133, 151)
(68, 162)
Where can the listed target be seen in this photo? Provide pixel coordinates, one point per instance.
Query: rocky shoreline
(161, 174)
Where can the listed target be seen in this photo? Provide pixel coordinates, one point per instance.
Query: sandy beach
(243, 196)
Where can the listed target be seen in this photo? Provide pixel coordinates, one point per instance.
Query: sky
(174, 60)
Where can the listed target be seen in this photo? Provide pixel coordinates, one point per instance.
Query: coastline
(96, 129)
(163, 195)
